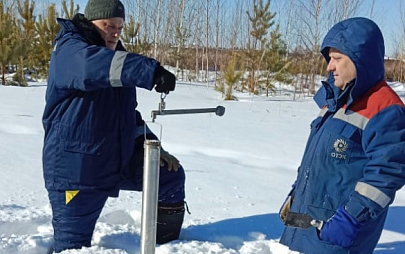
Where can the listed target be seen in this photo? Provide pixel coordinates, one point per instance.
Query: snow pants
(75, 213)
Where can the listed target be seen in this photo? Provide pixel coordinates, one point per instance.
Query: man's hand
(164, 80)
(166, 158)
(341, 229)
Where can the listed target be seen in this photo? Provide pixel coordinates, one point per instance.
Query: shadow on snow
(233, 232)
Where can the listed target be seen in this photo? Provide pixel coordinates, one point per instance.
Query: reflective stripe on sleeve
(372, 193)
(117, 64)
(352, 118)
(323, 112)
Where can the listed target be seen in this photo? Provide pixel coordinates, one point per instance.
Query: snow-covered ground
(239, 168)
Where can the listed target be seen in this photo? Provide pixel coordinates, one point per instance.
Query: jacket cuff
(358, 211)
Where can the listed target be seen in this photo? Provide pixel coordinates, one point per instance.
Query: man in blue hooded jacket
(93, 144)
(354, 159)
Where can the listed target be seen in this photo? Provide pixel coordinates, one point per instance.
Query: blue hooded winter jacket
(90, 120)
(355, 154)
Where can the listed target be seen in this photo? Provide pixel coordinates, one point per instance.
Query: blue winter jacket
(355, 154)
(90, 119)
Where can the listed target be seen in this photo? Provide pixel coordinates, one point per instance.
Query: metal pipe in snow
(150, 196)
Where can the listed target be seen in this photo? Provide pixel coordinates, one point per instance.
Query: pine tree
(68, 13)
(130, 37)
(46, 30)
(261, 21)
(25, 35)
(231, 78)
(275, 62)
(182, 34)
(7, 39)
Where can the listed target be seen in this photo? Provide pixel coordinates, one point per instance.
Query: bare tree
(157, 26)
(180, 33)
(236, 25)
(217, 29)
(307, 26)
(343, 9)
(207, 46)
(372, 9)
(289, 7)
(130, 7)
(196, 40)
(395, 68)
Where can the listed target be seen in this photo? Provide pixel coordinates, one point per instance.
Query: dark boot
(169, 220)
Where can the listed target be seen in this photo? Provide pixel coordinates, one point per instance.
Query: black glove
(164, 80)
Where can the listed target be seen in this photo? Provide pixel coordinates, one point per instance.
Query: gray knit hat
(104, 9)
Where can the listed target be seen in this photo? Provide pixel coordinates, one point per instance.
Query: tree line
(250, 45)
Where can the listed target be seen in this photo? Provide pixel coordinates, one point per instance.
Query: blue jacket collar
(331, 96)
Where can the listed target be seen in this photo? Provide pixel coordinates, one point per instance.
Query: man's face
(342, 67)
(110, 30)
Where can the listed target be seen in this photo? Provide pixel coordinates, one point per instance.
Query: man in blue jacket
(93, 144)
(354, 160)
